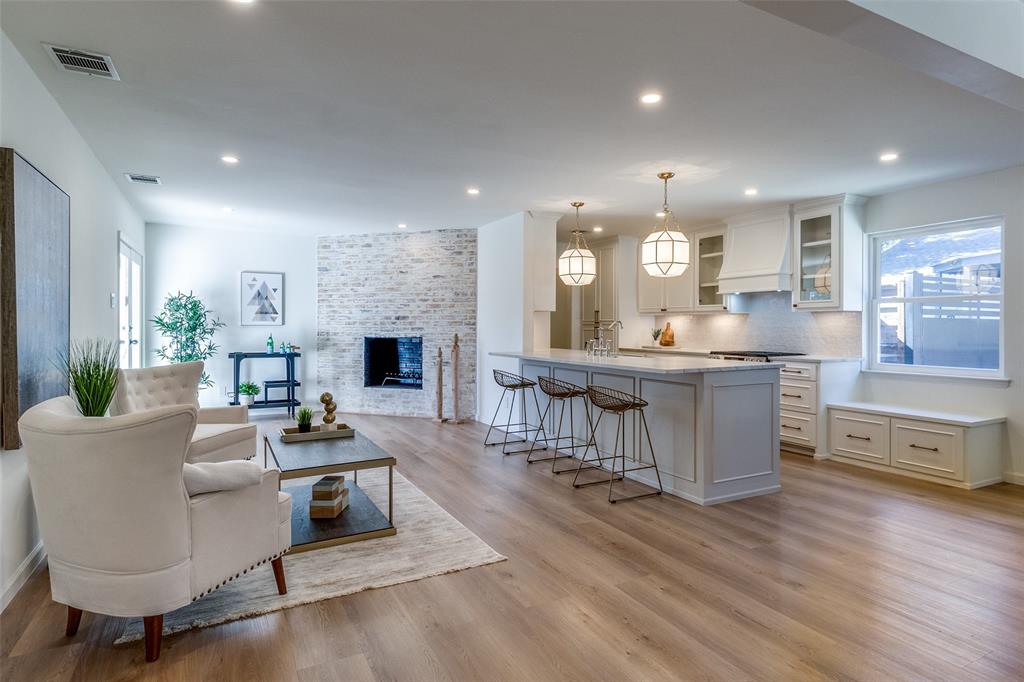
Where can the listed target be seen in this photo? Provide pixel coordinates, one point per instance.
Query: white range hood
(757, 253)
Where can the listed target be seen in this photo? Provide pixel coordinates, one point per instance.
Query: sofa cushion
(222, 442)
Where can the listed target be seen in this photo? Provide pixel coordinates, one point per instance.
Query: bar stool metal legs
(511, 384)
(561, 392)
(618, 403)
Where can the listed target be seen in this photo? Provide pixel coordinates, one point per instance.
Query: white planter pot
(246, 399)
(328, 427)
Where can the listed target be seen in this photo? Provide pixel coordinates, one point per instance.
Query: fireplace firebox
(393, 362)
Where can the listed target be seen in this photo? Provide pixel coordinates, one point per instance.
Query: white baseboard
(1011, 477)
(21, 576)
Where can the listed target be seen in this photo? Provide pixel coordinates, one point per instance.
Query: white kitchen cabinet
(960, 450)
(828, 254)
(709, 253)
(804, 389)
(696, 290)
(613, 295)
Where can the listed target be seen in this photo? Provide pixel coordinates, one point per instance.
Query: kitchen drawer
(801, 396)
(798, 428)
(805, 371)
(928, 448)
(859, 435)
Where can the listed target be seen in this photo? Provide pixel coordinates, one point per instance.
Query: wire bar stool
(563, 392)
(618, 403)
(511, 384)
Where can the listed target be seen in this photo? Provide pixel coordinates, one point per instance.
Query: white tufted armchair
(221, 434)
(122, 534)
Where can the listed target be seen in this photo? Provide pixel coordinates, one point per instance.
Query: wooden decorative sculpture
(456, 418)
(440, 386)
(329, 409)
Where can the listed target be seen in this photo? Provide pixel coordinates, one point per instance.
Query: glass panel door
(710, 253)
(815, 251)
(129, 293)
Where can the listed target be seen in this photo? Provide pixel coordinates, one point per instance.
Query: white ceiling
(359, 116)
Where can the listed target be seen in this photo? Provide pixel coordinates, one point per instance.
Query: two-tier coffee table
(362, 520)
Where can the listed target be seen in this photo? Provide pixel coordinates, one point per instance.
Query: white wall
(996, 193)
(34, 125)
(209, 263)
(500, 294)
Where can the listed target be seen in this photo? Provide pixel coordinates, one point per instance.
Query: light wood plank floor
(846, 574)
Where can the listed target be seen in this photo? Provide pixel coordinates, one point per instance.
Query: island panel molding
(714, 423)
(408, 284)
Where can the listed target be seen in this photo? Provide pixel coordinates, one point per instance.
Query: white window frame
(875, 300)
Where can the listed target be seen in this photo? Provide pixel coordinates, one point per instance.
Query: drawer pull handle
(790, 371)
(923, 447)
(850, 435)
(791, 395)
(795, 428)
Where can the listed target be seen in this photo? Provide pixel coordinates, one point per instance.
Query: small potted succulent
(655, 333)
(304, 418)
(247, 392)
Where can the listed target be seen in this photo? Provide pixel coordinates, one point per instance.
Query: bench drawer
(928, 448)
(801, 396)
(805, 371)
(860, 436)
(798, 428)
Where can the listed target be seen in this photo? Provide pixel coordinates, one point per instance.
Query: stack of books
(330, 497)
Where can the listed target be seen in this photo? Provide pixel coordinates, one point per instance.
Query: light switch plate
(113, 299)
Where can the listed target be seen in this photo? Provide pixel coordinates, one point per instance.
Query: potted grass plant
(304, 418)
(90, 367)
(247, 392)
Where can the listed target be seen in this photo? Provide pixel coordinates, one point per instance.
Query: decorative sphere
(326, 398)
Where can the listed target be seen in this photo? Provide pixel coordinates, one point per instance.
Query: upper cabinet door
(650, 291)
(709, 253)
(816, 256)
(679, 292)
(606, 284)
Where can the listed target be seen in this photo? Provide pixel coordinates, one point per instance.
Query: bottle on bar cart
(270, 343)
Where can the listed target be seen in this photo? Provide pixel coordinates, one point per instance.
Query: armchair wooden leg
(278, 564)
(154, 634)
(74, 618)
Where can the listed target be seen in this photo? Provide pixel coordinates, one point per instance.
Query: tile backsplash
(769, 323)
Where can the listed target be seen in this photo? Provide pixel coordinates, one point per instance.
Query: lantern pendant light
(666, 251)
(577, 266)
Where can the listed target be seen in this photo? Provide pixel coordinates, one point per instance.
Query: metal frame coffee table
(362, 520)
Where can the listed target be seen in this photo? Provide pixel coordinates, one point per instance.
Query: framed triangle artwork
(261, 296)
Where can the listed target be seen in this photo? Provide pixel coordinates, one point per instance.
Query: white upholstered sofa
(123, 536)
(221, 434)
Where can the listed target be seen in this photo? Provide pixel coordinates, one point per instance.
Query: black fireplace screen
(393, 362)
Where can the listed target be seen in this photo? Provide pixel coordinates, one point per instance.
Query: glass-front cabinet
(708, 254)
(828, 254)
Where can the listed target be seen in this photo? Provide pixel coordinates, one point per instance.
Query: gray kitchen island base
(714, 423)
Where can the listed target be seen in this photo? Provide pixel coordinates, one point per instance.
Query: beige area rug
(430, 542)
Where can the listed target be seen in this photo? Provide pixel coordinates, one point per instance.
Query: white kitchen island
(714, 423)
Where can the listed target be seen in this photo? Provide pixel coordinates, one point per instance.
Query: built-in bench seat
(961, 450)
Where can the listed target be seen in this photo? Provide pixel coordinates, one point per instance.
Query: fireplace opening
(393, 362)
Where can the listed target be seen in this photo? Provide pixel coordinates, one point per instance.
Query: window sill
(989, 381)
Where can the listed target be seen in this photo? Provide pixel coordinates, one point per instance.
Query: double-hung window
(937, 299)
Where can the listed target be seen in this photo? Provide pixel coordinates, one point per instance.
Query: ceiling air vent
(141, 179)
(78, 61)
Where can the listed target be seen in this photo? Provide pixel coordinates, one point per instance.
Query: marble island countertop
(665, 364)
(679, 350)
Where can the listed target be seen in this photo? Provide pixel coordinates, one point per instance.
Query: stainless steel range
(750, 355)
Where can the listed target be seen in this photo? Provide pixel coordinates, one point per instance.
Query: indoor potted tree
(90, 367)
(247, 392)
(304, 418)
(189, 326)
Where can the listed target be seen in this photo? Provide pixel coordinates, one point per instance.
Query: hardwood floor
(846, 574)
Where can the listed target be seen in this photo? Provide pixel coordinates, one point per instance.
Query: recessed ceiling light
(402, 225)
(598, 228)
(650, 97)
(888, 157)
(473, 191)
(750, 191)
(229, 159)
(226, 209)
(244, 2)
